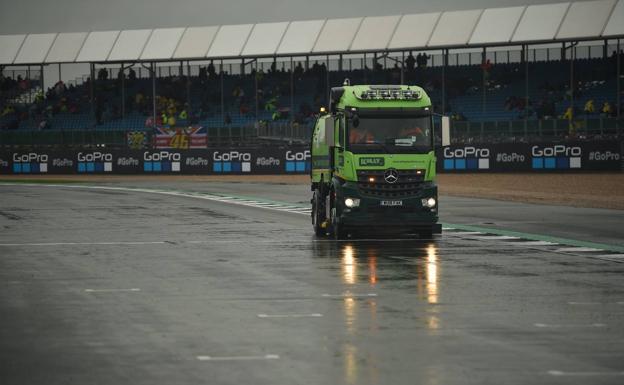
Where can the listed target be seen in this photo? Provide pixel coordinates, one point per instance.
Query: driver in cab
(358, 135)
(416, 134)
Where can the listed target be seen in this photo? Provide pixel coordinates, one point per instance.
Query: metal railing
(508, 131)
(545, 129)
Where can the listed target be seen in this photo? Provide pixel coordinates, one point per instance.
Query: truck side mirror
(446, 131)
(329, 131)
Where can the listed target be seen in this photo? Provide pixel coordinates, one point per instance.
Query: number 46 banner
(180, 137)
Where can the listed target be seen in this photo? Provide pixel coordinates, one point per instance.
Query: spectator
(103, 74)
(606, 110)
(211, 70)
(410, 62)
(422, 60)
(589, 107)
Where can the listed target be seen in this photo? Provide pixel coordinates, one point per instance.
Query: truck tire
(318, 214)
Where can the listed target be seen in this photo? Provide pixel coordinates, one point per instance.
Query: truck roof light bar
(389, 94)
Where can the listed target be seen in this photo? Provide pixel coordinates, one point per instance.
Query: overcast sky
(37, 16)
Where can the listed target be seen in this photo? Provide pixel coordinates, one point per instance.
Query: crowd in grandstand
(484, 92)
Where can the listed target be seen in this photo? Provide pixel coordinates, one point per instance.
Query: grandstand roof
(584, 20)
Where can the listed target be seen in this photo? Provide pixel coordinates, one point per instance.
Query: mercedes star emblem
(391, 176)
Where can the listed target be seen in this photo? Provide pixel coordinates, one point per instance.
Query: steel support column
(444, 64)
(619, 81)
(153, 73)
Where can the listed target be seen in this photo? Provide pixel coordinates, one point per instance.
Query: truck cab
(373, 163)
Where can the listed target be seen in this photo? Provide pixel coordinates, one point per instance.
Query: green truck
(373, 163)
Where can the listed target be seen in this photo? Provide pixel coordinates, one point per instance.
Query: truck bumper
(372, 214)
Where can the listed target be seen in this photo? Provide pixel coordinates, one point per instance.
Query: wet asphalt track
(127, 287)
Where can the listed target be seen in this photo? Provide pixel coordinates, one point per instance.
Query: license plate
(392, 203)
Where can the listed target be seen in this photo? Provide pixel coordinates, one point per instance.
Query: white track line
(239, 358)
(577, 250)
(561, 373)
(83, 243)
(349, 295)
(111, 290)
(464, 233)
(313, 315)
(537, 243)
(614, 256)
(558, 326)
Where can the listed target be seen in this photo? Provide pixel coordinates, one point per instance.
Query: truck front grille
(372, 183)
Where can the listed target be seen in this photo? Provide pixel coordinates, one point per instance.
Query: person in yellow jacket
(568, 114)
(589, 107)
(171, 121)
(606, 109)
(183, 115)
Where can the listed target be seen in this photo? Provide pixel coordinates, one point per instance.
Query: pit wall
(469, 158)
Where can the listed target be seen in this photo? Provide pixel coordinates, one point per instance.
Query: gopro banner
(269, 160)
(527, 157)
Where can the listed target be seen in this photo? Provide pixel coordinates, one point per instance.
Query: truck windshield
(389, 134)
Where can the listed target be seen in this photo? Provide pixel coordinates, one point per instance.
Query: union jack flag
(180, 137)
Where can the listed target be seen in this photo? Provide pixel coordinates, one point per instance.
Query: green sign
(372, 162)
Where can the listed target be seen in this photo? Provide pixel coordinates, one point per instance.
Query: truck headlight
(429, 202)
(352, 202)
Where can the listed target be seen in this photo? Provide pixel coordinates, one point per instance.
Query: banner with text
(269, 160)
(529, 157)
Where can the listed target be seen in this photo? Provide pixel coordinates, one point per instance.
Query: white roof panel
(97, 46)
(540, 22)
(586, 19)
(195, 42)
(264, 39)
(129, 45)
(66, 47)
(162, 43)
(35, 48)
(497, 25)
(337, 35)
(230, 40)
(375, 33)
(454, 28)
(615, 26)
(414, 31)
(9, 45)
(300, 37)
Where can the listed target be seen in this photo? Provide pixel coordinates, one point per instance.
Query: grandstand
(500, 73)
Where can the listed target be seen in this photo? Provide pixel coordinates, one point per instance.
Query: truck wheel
(318, 215)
